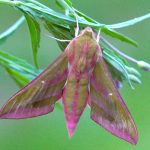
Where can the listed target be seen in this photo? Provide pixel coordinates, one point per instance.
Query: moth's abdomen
(75, 98)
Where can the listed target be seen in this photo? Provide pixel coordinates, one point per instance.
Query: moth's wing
(39, 96)
(107, 107)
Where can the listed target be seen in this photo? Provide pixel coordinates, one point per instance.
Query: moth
(79, 77)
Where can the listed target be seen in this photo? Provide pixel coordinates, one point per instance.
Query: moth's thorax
(83, 52)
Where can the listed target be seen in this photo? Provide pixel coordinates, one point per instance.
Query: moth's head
(89, 32)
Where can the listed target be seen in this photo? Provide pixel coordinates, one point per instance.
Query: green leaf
(133, 71)
(61, 3)
(43, 12)
(103, 27)
(119, 36)
(66, 20)
(129, 22)
(134, 78)
(68, 2)
(55, 17)
(59, 32)
(119, 67)
(115, 62)
(4, 35)
(18, 69)
(34, 29)
(20, 79)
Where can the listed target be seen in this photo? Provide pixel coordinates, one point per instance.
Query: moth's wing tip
(22, 113)
(134, 140)
(2, 114)
(123, 135)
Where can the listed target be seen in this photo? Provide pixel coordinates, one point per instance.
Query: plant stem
(118, 51)
(12, 28)
(11, 3)
(39, 4)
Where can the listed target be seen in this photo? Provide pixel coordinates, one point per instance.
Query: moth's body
(78, 76)
(82, 53)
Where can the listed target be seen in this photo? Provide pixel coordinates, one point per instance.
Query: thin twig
(118, 51)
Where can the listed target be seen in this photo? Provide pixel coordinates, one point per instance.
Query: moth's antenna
(98, 35)
(60, 40)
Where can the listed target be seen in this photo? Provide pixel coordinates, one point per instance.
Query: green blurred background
(49, 132)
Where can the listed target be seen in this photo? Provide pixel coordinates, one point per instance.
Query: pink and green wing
(39, 96)
(74, 100)
(107, 107)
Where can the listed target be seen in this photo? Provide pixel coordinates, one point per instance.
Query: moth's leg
(98, 35)
(77, 27)
(77, 24)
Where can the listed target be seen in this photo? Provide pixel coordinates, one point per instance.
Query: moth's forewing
(40, 95)
(107, 107)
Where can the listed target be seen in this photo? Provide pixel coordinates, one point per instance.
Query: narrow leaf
(61, 3)
(119, 36)
(68, 2)
(67, 20)
(18, 69)
(116, 63)
(133, 71)
(134, 78)
(4, 35)
(34, 28)
(20, 79)
(59, 32)
(14, 62)
(129, 22)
